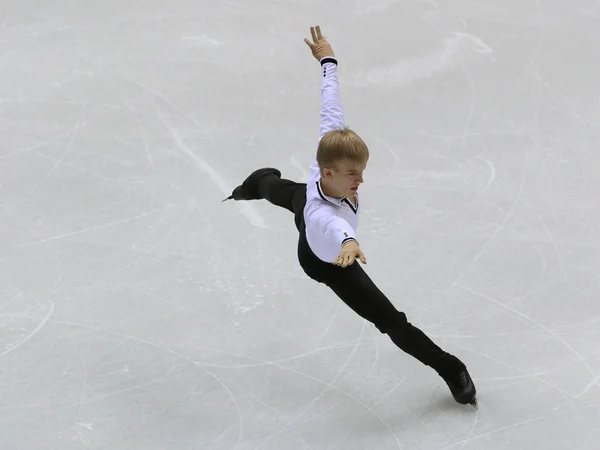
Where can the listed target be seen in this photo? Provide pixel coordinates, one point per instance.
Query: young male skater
(326, 211)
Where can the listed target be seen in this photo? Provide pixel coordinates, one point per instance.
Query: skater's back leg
(267, 184)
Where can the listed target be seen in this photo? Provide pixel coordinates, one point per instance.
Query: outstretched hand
(320, 47)
(350, 251)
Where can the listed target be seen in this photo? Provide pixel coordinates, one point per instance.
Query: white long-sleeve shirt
(330, 222)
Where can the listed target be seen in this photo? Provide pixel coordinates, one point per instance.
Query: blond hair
(341, 144)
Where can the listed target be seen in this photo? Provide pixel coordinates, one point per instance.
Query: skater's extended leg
(284, 193)
(359, 292)
(267, 184)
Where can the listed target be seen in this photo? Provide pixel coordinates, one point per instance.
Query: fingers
(308, 43)
(345, 260)
(362, 258)
(339, 261)
(315, 32)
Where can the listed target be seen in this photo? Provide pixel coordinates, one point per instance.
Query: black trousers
(353, 286)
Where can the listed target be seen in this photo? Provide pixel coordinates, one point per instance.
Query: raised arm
(332, 112)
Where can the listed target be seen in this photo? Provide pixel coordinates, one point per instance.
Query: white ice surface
(137, 311)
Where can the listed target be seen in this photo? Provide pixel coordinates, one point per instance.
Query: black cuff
(329, 59)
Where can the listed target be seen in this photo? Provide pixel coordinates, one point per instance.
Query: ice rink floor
(137, 311)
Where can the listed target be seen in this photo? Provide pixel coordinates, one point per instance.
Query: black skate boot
(462, 388)
(248, 190)
(460, 383)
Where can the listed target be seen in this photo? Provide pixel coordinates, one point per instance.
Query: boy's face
(345, 178)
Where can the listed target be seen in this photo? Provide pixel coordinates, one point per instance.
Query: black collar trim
(321, 192)
(344, 200)
(349, 203)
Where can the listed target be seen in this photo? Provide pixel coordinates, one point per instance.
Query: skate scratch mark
(593, 383)
(358, 401)
(558, 253)
(203, 366)
(58, 263)
(97, 397)
(259, 400)
(526, 69)
(535, 375)
(525, 239)
(513, 378)
(177, 354)
(84, 389)
(376, 359)
(595, 379)
(424, 67)
(341, 392)
(97, 227)
(37, 329)
(518, 424)
(320, 413)
(23, 150)
(67, 150)
(498, 229)
(282, 333)
(137, 119)
(60, 160)
(553, 241)
(420, 419)
(391, 151)
(329, 325)
(152, 248)
(246, 208)
(492, 172)
(10, 300)
(400, 383)
(124, 21)
(339, 372)
(220, 436)
(296, 164)
(471, 105)
(330, 386)
(271, 363)
(472, 430)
